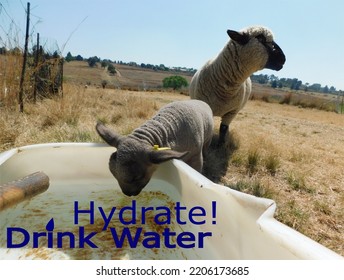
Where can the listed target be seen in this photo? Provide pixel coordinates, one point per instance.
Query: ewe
(224, 82)
(183, 128)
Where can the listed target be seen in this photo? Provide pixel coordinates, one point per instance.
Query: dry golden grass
(304, 149)
(292, 155)
(10, 71)
(73, 117)
(326, 102)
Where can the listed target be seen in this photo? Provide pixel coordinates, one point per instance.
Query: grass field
(290, 154)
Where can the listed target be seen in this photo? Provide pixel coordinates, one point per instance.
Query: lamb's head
(257, 48)
(134, 162)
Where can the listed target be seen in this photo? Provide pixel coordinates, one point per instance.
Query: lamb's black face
(132, 174)
(133, 188)
(276, 58)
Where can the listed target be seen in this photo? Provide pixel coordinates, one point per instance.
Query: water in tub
(80, 220)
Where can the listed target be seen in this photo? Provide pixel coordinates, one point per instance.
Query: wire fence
(42, 74)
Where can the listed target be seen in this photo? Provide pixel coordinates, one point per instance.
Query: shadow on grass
(216, 159)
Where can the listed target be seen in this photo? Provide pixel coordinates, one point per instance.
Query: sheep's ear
(239, 37)
(157, 157)
(109, 136)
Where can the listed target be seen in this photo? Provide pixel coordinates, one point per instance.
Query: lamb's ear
(239, 37)
(109, 136)
(157, 157)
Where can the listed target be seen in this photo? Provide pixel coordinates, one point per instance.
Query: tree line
(293, 84)
(31, 53)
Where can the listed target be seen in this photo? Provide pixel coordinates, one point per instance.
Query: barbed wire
(12, 35)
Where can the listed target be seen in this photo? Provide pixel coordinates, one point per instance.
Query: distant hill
(126, 76)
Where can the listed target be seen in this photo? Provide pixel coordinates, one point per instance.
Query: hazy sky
(189, 32)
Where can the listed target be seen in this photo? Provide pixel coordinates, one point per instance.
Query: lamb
(182, 129)
(224, 82)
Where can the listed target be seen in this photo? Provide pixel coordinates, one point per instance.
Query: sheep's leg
(222, 134)
(225, 121)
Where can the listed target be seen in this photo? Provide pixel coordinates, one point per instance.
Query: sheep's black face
(276, 58)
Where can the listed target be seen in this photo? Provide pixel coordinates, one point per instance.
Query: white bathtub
(239, 226)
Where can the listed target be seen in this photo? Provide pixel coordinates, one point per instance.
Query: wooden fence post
(62, 64)
(21, 89)
(36, 70)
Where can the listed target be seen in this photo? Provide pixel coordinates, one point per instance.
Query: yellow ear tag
(156, 148)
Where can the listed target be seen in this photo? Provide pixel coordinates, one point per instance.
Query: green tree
(274, 84)
(3, 50)
(104, 64)
(326, 89)
(175, 82)
(111, 69)
(79, 58)
(92, 61)
(56, 54)
(315, 87)
(69, 57)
